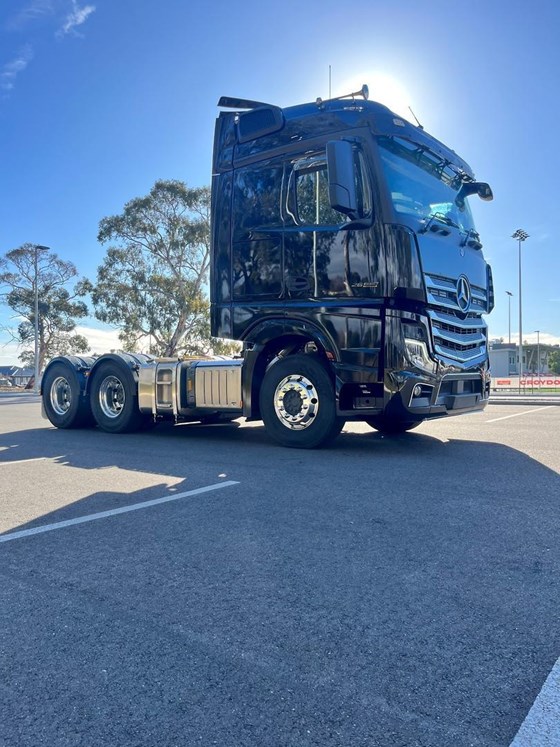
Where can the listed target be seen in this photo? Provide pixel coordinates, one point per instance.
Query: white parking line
(114, 512)
(517, 414)
(22, 461)
(541, 727)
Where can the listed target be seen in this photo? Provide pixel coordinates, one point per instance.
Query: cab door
(325, 257)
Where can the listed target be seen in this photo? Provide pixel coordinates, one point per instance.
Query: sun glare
(383, 88)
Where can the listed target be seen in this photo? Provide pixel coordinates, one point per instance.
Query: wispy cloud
(33, 11)
(12, 69)
(68, 14)
(76, 17)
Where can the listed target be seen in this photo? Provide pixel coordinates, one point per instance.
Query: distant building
(504, 358)
(16, 375)
(7, 372)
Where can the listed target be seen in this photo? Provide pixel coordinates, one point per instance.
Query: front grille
(457, 336)
(442, 292)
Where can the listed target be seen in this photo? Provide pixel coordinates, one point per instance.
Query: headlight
(417, 354)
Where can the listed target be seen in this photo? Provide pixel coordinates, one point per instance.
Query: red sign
(541, 382)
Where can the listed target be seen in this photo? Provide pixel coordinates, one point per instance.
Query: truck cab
(342, 231)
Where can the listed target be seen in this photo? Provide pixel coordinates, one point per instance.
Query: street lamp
(538, 353)
(38, 248)
(520, 235)
(509, 316)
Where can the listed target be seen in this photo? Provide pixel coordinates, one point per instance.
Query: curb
(523, 400)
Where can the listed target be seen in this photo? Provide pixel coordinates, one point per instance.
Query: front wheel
(114, 399)
(297, 403)
(391, 427)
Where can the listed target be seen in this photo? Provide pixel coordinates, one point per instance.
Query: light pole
(38, 248)
(509, 316)
(520, 235)
(538, 353)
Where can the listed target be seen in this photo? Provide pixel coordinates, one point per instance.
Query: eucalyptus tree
(30, 276)
(152, 282)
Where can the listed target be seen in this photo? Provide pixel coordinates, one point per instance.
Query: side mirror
(482, 189)
(342, 177)
(485, 191)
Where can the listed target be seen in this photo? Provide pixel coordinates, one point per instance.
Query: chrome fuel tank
(173, 388)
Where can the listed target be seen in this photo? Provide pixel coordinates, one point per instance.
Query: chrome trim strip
(451, 320)
(154, 392)
(461, 356)
(468, 338)
(174, 402)
(426, 386)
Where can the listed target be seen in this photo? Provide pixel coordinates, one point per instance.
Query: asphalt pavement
(383, 592)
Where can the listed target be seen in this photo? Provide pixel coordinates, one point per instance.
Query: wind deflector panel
(230, 102)
(258, 122)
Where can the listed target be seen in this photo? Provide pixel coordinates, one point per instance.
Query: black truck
(345, 258)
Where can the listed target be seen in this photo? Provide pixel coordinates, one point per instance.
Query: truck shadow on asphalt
(196, 455)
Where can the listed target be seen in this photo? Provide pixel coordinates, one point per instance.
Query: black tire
(62, 398)
(114, 399)
(297, 403)
(392, 427)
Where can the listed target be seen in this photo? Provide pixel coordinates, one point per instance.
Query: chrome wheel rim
(60, 395)
(111, 397)
(296, 402)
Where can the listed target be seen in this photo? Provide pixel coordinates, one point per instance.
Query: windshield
(422, 184)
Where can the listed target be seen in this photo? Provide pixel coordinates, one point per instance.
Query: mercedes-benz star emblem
(463, 294)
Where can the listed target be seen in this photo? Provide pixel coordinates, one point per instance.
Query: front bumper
(419, 397)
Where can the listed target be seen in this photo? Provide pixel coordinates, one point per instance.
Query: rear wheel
(62, 398)
(298, 404)
(114, 399)
(391, 427)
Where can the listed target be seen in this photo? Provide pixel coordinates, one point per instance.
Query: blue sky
(100, 98)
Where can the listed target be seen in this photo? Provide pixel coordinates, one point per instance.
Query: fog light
(417, 391)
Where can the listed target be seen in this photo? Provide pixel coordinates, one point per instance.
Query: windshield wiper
(441, 218)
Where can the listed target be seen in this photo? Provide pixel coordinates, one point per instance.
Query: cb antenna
(416, 118)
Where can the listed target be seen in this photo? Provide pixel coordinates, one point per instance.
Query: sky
(100, 98)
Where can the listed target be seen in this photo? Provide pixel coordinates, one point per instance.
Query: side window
(308, 192)
(363, 185)
(311, 186)
(257, 226)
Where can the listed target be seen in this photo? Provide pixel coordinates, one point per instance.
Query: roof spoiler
(228, 102)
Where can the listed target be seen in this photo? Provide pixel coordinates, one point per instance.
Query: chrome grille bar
(442, 292)
(457, 336)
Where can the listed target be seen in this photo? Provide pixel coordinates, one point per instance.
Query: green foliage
(59, 307)
(554, 361)
(151, 283)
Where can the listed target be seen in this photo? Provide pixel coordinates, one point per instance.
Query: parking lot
(199, 585)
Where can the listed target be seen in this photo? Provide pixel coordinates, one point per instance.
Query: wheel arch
(80, 364)
(280, 337)
(126, 361)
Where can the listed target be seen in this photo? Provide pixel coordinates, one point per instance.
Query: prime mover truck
(345, 258)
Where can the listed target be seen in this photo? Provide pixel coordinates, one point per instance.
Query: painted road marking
(114, 512)
(23, 461)
(541, 727)
(517, 414)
